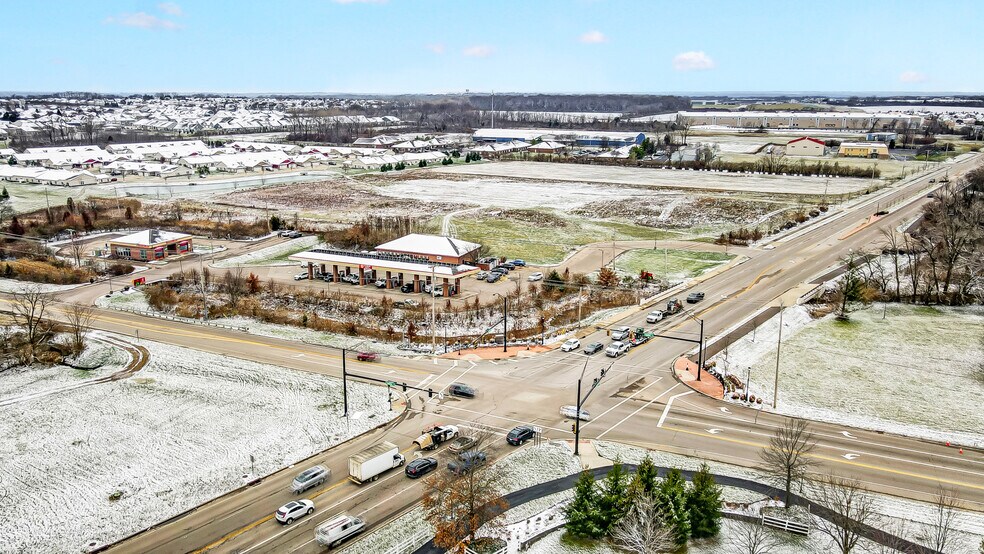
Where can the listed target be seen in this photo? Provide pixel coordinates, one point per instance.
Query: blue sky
(432, 46)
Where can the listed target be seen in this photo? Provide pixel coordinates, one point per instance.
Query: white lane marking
(623, 401)
(848, 435)
(724, 410)
(714, 431)
(669, 403)
(643, 407)
(447, 407)
(851, 456)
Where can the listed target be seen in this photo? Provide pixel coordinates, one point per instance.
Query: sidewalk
(686, 372)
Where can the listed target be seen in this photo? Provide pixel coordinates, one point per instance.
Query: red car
(367, 357)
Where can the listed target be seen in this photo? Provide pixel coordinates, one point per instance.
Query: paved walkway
(686, 372)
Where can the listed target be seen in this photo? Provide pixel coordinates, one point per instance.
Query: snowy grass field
(908, 373)
(31, 379)
(102, 462)
(272, 255)
(673, 266)
(661, 178)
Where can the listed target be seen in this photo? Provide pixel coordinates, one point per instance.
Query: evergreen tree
(613, 499)
(5, 195)
(646, 477)
(582, 512)
(16, 227)
(704, 504)
(671, 500)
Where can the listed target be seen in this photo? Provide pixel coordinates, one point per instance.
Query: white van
(338, 529)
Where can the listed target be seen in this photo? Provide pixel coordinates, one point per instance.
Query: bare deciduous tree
(29, 307)
(851, 510)
(643, 530)
(234, 284)
(787, 458)
(754, 538)
(457, 504)
(940, 534)
(79, 322)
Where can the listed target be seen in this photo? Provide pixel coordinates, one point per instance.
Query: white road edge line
(643, 407)
(666, 410)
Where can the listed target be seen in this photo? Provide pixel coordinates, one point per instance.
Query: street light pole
(433, 317)
(505, 315)
(775, 390)
(577, 420)
(344, 386)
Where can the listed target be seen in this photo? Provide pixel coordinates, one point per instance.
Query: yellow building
(863, 150)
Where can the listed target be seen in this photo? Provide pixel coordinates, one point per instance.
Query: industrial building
(863, 150)
(598, 139)
(806, 146)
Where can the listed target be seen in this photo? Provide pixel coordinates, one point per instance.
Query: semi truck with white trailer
(372, 462)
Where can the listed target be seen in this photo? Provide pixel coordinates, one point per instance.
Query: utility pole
(505, 315)
(580, 295)
(433, 311)
(493, 109)
(344, 386)
(775, 392)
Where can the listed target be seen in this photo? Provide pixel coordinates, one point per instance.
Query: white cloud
(692, 61)
(142, 20)
(170, 8)
(913, 77)
(593, 37)
(436, 48)
(478, 51)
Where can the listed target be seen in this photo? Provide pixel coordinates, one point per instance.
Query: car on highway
(573, 413)
(594, 348)
(620, 333)
(338, 529)
(538, 276)
(695, 297)
(295, 509)
(467, 461)
(462, 390)
(616, 349)
(570, 345)
(654, 316)
(519, 435)
(462, 444)
(301, 276)
(311, 477)
(367, 357)
(420, 467)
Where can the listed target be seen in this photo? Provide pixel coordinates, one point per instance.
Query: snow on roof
(811, 139)
(355, 259)
(434, 245)
(150, 237)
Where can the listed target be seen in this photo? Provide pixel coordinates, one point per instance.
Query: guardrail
(789, 525)
(179, 319)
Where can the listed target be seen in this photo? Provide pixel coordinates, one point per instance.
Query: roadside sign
(440, 396)
(390, 383)
(537, 430)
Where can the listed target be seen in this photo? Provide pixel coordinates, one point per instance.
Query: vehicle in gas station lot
(537, 276)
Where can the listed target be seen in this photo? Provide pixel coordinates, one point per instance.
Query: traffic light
(573, 427)
(595, 383)
(604, 370)
(430, 393)
(404, 387)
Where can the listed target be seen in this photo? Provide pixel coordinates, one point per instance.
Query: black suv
(467, 461)
(420, 467)
(519, 435)
(695, 297)
(406, 287)
(462, 390)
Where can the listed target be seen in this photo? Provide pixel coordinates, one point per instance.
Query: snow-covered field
(272, 255)
(15, 286)
(649, 177)
(130, 299)
(31, 379)
(98, 463)
(908, 373)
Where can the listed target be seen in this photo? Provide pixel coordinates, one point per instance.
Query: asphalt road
(638, 402)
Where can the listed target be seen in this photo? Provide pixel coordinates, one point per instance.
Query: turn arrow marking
(714, 431)
(852, 456)
(725, 410)
(848, 435)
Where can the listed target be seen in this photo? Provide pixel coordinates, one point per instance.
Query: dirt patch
(535, 217)
(674, 211)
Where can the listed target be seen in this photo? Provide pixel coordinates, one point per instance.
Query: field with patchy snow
(98, 463)
(673, 266)
(906, 373)
(105, 359)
